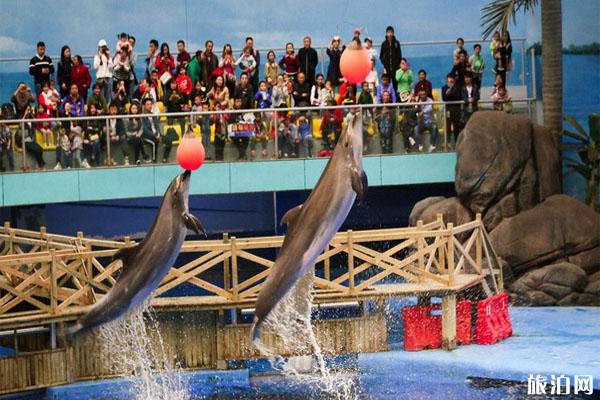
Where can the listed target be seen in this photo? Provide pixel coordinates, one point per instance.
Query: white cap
(101, 43)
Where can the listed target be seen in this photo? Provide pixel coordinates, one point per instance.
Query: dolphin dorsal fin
(127, 254)
(290, 217)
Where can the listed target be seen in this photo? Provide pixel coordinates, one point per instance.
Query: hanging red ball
(355, 64)
(190, 153)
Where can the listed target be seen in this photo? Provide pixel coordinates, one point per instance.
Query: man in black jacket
(301, 91)
(390, 54)
(308, 60)
(208, 63)
(40, 67)
(256, 54)
(452, 92)
(245, 92)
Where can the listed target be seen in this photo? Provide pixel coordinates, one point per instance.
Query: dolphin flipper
(192, 223)
(291, 216)
(360, 185)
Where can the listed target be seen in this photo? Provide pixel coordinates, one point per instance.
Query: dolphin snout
(186, 174)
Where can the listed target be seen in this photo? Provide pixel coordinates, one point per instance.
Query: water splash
(290, 323)
(134, 346)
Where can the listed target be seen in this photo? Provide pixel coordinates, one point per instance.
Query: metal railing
(223, 144)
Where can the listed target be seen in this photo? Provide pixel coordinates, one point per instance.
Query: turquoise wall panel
(113, 183)
(163, 176)
(372, 167)
(40, 187)
(313, 169)
(266, 176)
(1, 190)
(417, 169)
(211, 178)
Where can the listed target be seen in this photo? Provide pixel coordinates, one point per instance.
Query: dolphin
(312, 225)
(146, 264)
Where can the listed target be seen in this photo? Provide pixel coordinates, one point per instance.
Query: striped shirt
(36, 64)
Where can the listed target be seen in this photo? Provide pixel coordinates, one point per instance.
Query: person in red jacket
(80, 76)
(290, 63)
(164, 61)
(184, 82)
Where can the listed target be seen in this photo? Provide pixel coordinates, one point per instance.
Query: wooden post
(43, 236)
(220, 341)
(449, 322)
(350, 261)
(327, 265)
(450, 254)
(478, 254)
(420, 246)
(53, 284)
(234, 268)
(226, 267)
(11, 235)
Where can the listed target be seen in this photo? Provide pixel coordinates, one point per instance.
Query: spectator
(183, 57)
(151, 57)
(386, 121)
(247, 64)
(470, 96)
(423, 84)
(122, 69)
(208, 63)
(305, 136)
(244, 92)
(123, 44)
(495, 44)
(184, 83)
(335, 54)
(219, 94)
(76, 133)
(117, 135)
(356, 37)
(404, 77)
(316, 91)
(175, 102)
(193, 69)
(97, 99)
(262, 96)
(227, 64)
(220, 121)
(477, 65)
(461, 68)
(372, 52)
(40, 67)
(451, 92)
(253, 72)
(120, 98)
(204, 123)
(271, 69)
(63, 149)
(292, 137)
(386, 86)
(426, 121)
(328, 93)
(366, 97)
(63, 74)
(151, 128)
(93, 136)
(280, 94)
(165, 64)
(301, 92)
(22, 98)
(372, 78)
(308, 60)
(331, 125)
(199, 90)
(44, 127)
(134, 133)
(74, 101)
(501, 99)
(507, 46)
(260, 133)
(460, 46)
(500, 66)
(103, 65)
(240, 138)
(290, 63)
(31, 146)
(284, 139)
(80, 76)
(347, 94)
(133, 56)
(49, 99)
(155, 91)
(6, 148)
(390, 56)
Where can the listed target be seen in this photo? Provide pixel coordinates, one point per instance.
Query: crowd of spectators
(205, 81)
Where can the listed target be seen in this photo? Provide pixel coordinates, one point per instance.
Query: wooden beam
(449, 322)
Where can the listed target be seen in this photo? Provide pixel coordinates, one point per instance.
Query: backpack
(7, 111)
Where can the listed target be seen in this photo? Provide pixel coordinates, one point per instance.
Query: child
(77, 146)
(460, 46)
(331, 127)
(262, 96)
(501, 99)
(44, 127)
(260, 135)
(6, 147)
(220, 121)
(496, 43)
(284, 140)
(372, 78)
(240, 138)
(500, 67)
(386, 86)
(48, 99)
(204, 122)
(247, 63)
(271, 69)
(280, 93)
(305, 136)
(477, 65)
(327, 94)
(93, 130)
(64, 149)
(387, 125)
(365, 97)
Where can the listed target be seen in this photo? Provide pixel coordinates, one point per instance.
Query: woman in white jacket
(103, 64)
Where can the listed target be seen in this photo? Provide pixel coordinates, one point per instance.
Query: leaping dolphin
(146, 264)
(312, 225)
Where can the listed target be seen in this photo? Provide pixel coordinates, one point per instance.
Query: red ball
(190, 153)
(355, 65)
